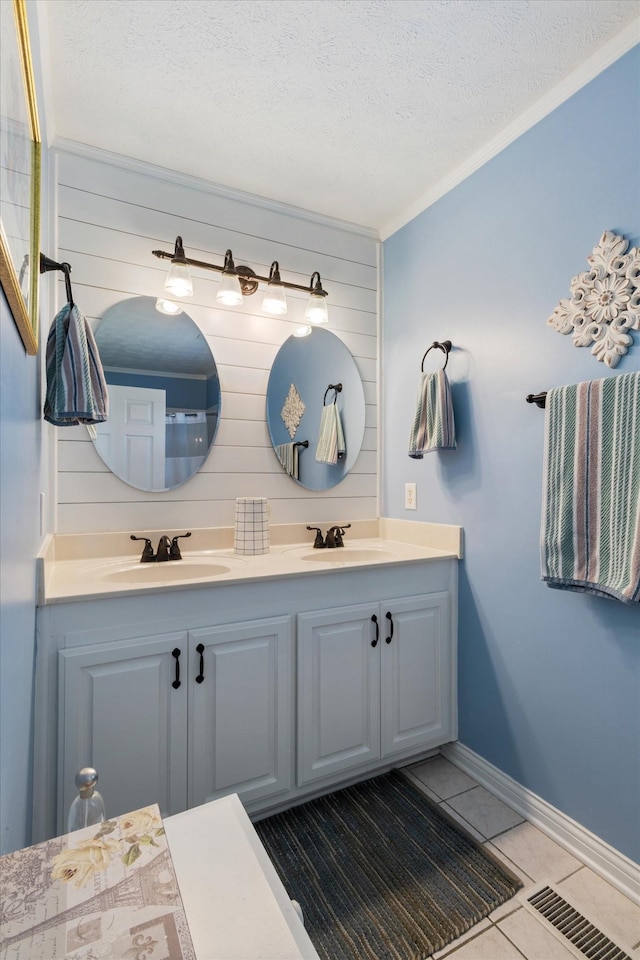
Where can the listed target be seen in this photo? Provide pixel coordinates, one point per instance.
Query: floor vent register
(576, 932)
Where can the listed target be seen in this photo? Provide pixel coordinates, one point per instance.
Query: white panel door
(416, 672)
(338, 690)
(122, 714)
(241, 716)
(132, 441)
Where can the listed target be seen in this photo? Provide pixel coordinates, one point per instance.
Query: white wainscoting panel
(110, 217)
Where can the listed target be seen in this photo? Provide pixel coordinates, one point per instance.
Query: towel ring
(445, 346)
(332, 386)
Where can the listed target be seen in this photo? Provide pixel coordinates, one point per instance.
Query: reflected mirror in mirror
(164, 395)
(296, 394)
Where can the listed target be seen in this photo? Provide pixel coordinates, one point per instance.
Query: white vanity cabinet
(281, 694)
(240, 724)
(120, 713)
(181, 718)
(374, 682)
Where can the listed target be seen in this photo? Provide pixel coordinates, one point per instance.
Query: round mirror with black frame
(164, 395)
(315, 409)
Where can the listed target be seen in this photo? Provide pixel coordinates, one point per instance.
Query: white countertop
(86, 568)
(236, 906)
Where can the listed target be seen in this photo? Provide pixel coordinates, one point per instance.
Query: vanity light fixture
(316, 311)
(274, 300)
(229, 292)
(241, 281)
(178, 282)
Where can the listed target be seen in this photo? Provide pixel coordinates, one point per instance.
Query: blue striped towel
(433, 426)
(76, 387)
(287, 454)
(331, 446)
(590, 532)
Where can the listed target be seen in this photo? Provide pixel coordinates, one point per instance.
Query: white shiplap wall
(110, 216)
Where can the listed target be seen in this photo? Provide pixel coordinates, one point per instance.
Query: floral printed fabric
(107, 891)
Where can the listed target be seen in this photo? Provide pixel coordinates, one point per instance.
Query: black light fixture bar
(247, 274)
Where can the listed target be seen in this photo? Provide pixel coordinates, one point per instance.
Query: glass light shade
(274, 300)
(316, 311)
(229, 292)
(303, 331)
(178, 282)
(169, 307)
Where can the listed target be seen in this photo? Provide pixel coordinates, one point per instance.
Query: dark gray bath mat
(381, 873)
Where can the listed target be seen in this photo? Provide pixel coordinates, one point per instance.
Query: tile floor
(511, 932)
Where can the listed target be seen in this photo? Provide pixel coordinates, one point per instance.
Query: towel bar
(539, 399)
(301, 443)
(445, 346)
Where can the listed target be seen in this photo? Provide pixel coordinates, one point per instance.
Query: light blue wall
(24, 462)
(549, 681)
(20, 443)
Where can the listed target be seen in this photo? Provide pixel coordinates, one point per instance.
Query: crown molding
(88, 152)
(578, 78)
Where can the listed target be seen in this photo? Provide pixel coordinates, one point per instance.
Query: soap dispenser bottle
(88, 806)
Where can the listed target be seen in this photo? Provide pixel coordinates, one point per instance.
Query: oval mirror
(164, 395)
(315, 409)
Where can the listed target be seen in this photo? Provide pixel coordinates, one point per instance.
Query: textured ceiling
(349, 108)
(133, 335)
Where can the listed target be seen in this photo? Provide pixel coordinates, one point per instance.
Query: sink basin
(167, 572)
(348, 555)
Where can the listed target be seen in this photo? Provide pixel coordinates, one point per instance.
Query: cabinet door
(122, 715)
(338, 691)
(416, 672)
(241, 722)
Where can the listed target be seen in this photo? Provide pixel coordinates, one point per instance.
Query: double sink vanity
(276, 677)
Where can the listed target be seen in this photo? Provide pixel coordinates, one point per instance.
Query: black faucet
(334, 536)
(162, 552)
(167, 549)
(148, 556)
(318, 543)
(174, 549)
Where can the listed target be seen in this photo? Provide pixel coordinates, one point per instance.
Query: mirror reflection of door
(132, 440)
(164, 395)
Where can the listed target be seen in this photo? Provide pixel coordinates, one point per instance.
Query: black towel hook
(445, 346)
(302, 443)
(47, 264)
(332, 386)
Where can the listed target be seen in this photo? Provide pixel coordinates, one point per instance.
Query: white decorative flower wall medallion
(605, 301)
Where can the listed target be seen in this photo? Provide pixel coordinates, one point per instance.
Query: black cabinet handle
(200, 650)
(374, 619)
(390, 619)
(176, 654)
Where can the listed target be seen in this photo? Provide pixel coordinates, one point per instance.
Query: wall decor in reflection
(301, 430)
(164, 395)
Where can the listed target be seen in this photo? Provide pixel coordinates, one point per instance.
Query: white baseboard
(619, 870)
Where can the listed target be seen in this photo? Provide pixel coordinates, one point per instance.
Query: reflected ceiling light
(241, 281)
(302, 331)
(169, 307)
(274, 300)
(178, 282)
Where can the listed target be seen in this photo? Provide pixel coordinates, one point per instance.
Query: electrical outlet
(410, 496)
